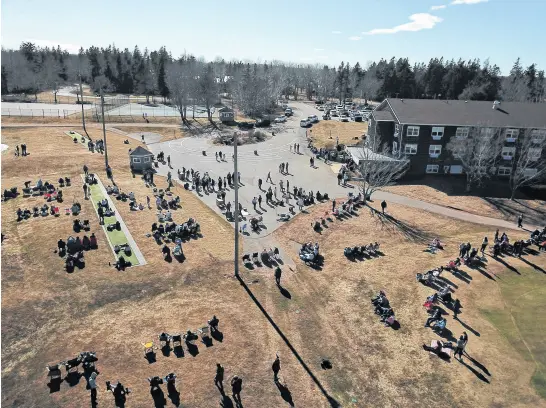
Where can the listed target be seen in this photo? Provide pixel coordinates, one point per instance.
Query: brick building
(421, 129)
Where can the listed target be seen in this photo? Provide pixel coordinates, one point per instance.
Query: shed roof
(468, 113)
(365, 154)
(140, 151)
(382, 115)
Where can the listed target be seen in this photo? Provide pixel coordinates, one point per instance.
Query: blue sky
(299, 31)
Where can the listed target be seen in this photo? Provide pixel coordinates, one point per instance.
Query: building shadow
(332, 401)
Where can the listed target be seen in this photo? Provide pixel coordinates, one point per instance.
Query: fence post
(43, 113)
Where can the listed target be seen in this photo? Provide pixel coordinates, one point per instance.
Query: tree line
(256, 87)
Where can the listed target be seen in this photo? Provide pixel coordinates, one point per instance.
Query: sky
(299, 31)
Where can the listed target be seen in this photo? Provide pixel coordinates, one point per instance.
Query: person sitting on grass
(166, 252)
(213, 323)
(121, 264)
(436, 316)
(437, 349)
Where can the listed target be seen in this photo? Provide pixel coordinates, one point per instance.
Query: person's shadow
(173, 395)
(285, 393)
(226, 402)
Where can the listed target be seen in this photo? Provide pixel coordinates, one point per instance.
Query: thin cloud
(71, 48)
(455, 2)
(336, 32)
(443, 6)
(322, 57)
(355, 38)
(418, 22)
(318, 49)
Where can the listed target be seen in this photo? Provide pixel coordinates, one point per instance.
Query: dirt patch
(324, 133)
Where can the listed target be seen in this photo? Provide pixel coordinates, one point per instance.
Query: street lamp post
(236, 211)
(104, 129)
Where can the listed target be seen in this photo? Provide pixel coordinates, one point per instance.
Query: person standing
(85, 190)
(456, 308)
(286, 167)
(333, 204)
(290, 148)
(100, 212)
(169, 160)
(93, 385)
(260, 183)
(339, 176)
(496, 235)
(260, 200)
(295, 147)
(269, 179)
(254, 202)
(520, 221)
(236, 388)
(383, 206)
(281, 186)
(148, 201)
(278, 274)
(484, 245)
(85, 169)
(276, 367)
(17, 150)
(219, 378)
(288, 185)
(216, 155)
(459, 350)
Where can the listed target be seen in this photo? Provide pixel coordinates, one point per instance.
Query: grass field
(49, 315)
(324, 133)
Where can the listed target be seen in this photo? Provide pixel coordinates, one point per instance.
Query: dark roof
(382, 115)
(225, 109)
(471, 113)
(140, 151)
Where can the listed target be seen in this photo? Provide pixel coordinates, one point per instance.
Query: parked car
(288, 112)
(358, 118)
(245, 125)
(326, 116)
(334, 113)
(320, 108)
(280, 119)
(263, 123)
(304, 123)
(313, 119)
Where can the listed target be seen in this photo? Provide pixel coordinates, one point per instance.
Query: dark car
(263, 123)
(245, 125)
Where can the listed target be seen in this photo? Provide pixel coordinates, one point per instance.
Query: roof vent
(496, 104)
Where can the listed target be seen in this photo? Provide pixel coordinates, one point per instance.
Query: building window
(410, 149)
(538, 135)
(530, 172)
(487, 132)
(432, 168)
(435, 150)
(394, 147)
(504, 171)
(437, 132)
(534, 153)
(456, 169)
(508, 153)
(511, 135)
(147, 160)
(462, 132)
(136, 159)
(413, 131)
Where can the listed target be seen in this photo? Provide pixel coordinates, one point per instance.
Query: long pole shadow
(333, 403)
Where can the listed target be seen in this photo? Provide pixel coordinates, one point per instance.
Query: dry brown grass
(534, 210)
(383, 367)
(324, 133)
(166, 133)
(49, 315)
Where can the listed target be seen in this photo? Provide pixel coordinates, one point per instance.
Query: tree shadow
(333, 403)
(411, 233)
(285, 393)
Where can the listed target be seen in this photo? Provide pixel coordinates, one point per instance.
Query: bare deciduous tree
(529, 168)
(180, 81)
(378, 168)
(478, 153)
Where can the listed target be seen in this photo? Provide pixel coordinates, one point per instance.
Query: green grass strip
(116, 237)
(77, 135)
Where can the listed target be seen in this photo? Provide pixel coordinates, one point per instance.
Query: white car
(280, 119)
(304, 123)
(320, 108)
(313, 119)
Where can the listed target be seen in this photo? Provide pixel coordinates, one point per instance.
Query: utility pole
(236, 212)
(103, 129)
(81, 100)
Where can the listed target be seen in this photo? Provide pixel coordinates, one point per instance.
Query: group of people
(383, 308)
(43, 211)
(23, 150)
(97, 145)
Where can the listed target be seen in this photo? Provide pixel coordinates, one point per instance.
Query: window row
(457, 169)
(507, 153)
(510, 135)
(144, 159)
